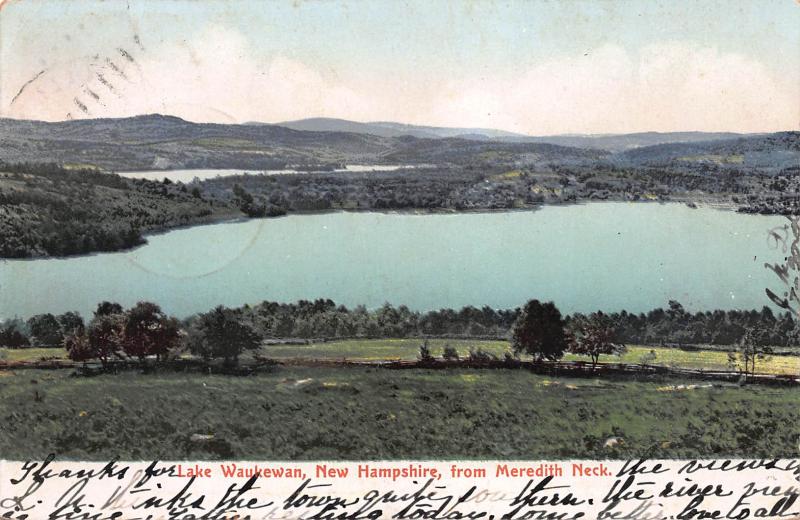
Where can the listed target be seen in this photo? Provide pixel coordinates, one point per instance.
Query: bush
(79, 348)
(425, 355)
(481, 356)
(450, 353)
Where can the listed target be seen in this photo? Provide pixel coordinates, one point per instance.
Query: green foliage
(539, 331)
(425, 355)
(478, 355)
(450, 353)
(594, 337)
(219, 334)
(53, 211)
(45, 330)
(12, 335)
(108, 308)
(367, 414)
(751, 349)
(71, 322)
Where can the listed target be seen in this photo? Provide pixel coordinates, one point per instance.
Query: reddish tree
(78, 347)
(105, 334)
(594, 338)
(148, 331)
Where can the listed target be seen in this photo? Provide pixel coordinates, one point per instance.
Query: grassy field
(376, 349)
(407, 349)
(31, 354)
(368, 413)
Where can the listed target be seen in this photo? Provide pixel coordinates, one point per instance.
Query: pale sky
(536, 67)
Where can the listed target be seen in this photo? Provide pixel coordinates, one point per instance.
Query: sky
(536, 67)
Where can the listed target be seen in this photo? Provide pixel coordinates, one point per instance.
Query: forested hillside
(46, 210)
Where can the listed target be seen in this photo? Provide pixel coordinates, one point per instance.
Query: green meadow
(346, 413)
(408, 349)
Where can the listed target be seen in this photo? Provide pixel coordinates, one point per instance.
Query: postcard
(466, 259)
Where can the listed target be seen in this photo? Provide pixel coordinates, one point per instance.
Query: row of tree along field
(537, 330)
(324, 319)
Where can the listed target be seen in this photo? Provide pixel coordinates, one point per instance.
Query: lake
(187, 176)
(608, 256)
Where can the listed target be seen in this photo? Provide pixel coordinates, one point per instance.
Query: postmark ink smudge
(25, 85)
(102, 79)
(116, 68)
(81, 106)
(92, 93)
(125, 54)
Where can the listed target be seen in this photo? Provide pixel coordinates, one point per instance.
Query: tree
(45, 330)
(79, 348)
(539, 331)
(751, 348)
(148, 331)
(108, 308)
(104, 336)
(425, 355)
(71, 322)
(219, 334)
(594, 337)
(11, 336)
(242, 194)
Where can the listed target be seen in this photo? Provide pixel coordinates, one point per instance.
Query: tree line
(538, 329)
(324, 319)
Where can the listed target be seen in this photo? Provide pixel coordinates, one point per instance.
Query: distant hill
(165, 142)
(325, 124)
(390, 129)
(771, 152)
(155, 142)
(462, 133)
(465, 151)
(612, 143)
(623, 142)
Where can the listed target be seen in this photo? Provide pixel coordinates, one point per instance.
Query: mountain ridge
(608, 142)
(157, 142)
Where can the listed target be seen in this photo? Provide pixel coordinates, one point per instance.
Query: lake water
(186, 176)
(609, 256)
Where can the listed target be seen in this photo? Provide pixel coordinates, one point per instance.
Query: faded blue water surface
(609, 256)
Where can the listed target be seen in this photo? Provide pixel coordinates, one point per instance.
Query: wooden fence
(551, 368)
